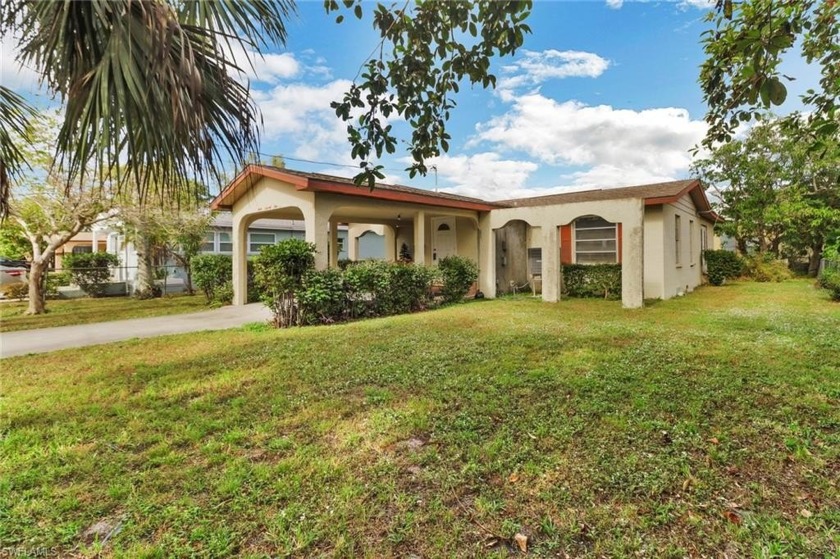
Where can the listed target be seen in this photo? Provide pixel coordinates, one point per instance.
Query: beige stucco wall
(685, 276)
(629, 212)
(654, 255)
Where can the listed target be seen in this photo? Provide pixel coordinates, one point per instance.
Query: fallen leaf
(732, 517)
(522, 542)
(513, 478)
(805, 513)
(713, 440)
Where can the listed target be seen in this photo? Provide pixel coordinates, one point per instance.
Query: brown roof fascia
(671, 199)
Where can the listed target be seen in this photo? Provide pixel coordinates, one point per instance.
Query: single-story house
(656, 231)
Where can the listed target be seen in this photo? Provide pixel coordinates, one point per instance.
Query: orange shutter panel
(566, 244)
(618, 233)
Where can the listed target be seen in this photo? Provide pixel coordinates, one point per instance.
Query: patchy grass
(702, 426)
(67, 312)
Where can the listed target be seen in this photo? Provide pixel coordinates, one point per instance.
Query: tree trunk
(189, 285)
(37, 297)
(814, 260)
(144, 287)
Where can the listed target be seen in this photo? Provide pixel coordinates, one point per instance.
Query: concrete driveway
(63, 337)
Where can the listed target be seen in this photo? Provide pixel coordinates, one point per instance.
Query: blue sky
(603, 94)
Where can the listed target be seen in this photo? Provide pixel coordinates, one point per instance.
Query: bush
(17, 291)
(321, 298)
(830, 280)
(410, 287)
(91, 271)
(278, 273)
(458, 275)
(56, 280)
(765, 268)
(210, 273)
(368, 284)
(592, 280)
(722, 264)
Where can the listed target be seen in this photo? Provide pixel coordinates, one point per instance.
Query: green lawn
(701, 426)
(86, 311)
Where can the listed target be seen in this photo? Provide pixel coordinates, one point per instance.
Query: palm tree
(149, 87)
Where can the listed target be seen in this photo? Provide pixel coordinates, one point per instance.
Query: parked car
(12, 272)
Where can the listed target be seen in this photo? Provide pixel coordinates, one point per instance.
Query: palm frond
(15, 115)
(148, 85)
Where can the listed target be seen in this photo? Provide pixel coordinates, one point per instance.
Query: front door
(445, 241)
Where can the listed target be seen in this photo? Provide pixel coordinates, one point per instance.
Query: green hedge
(766, 268)
(458, 275)
(595, 280)
(213, 274)
(91, 270)
(722, 264)
(830, 279)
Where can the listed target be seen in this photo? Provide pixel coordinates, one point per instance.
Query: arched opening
(590, 256)
(519, 257)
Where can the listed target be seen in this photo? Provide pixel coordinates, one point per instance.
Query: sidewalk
(63, 337)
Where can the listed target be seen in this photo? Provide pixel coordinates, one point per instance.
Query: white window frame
(209, 239)
(261, 244)
(220, 242)
(678, 239)
(692, 254)
(610, 227)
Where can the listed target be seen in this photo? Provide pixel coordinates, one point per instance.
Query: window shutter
(566, 244)
(618, 234)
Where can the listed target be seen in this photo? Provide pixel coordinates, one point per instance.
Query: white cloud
(616, 146)
(537, 67)
(699, 4)
(615, 4)
(269, 68)
(483, 175)
(301, 113)
(12, 74)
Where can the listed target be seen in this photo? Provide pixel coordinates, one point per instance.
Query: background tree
(50, 216)
(47, 208)
(184, 234)
(13, 242)
(746, 176)
(810, 205)
(740, 77)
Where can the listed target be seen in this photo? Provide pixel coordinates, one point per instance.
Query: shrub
(278, 273)
(722, 264)
(410, 287)
(830, 280)
(91, 271)
(321, 298)
(765, 268)
(458, 275)
(17, 291)
(592, 280)
(210, 273)
(368, 284)
(56, 280)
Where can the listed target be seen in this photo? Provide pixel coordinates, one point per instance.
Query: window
(225, 244)
(82, 249)
(259, 240)
(704, 238)
(691, 252)
(535, 261)
(209, 243)
(595, 241)
(677, 227)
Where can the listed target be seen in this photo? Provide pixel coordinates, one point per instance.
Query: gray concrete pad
(63, 337)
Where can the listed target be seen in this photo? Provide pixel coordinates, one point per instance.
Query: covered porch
(421, 226)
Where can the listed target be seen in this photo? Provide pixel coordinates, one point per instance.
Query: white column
(333, 261)
(239, 238)
(420, 237)
(486, 256)
(550, 263)
(632, 260)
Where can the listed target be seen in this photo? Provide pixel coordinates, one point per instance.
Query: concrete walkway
(50, 339)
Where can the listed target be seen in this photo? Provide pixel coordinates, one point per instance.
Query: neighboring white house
(656, 232)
